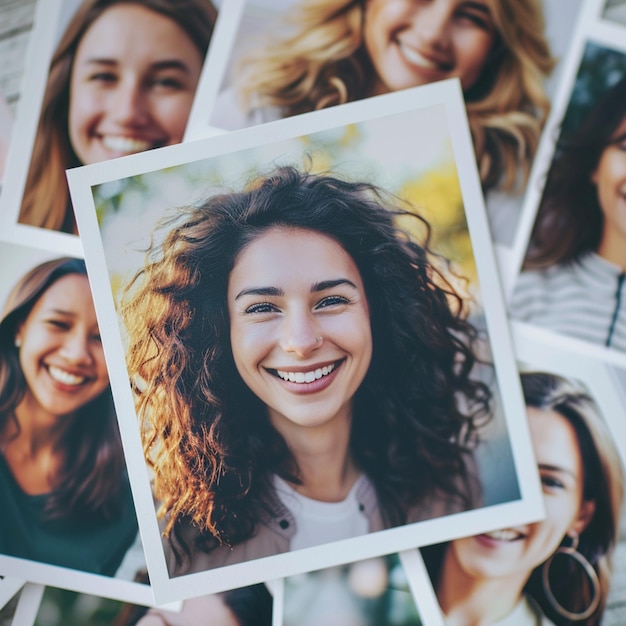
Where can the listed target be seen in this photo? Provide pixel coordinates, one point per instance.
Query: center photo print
(308, 344)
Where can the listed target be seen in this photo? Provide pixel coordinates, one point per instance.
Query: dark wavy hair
(88, 485)
(46, 201)
(213, 454)
(569, 221)
(602, 485)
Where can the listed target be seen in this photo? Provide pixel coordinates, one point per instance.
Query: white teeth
(125, 144)
(414, 57)
(306, 377)
(504, 535)
(65, 377)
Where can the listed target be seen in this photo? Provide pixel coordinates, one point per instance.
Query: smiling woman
(65, 496)
(122, 80)
(272, 340)
(557, 569)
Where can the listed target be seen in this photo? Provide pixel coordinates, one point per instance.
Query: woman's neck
(32, 450)
(37, 432)
(324, 462)
(468, 600)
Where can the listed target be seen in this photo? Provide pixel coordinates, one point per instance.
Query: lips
(64, 377)
(307, 379)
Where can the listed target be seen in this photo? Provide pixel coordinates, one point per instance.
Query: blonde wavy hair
(323, 62)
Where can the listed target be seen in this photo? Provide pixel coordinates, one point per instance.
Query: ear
(585, 515)
(594, 176)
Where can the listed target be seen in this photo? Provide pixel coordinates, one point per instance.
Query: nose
(129, 103)
(432, 23)
(301, 334)
(76, 349)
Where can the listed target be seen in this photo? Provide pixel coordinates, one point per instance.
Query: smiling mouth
(64, 377)
(508, 534)
(129, 145)
(422, 62)
(307, 376)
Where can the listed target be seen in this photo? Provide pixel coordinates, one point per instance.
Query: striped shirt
(585, 299)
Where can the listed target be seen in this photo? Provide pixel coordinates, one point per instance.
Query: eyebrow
(556, 468)
(166, 64)
(62, 312)
(479, 6)
(276, 291)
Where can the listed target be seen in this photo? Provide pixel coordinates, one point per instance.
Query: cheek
(248, 345)
(473, 50)
(381, 19)
(548, 535)
(171, 114)
(84, 110)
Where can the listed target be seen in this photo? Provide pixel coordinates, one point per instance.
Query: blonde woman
(346, 50)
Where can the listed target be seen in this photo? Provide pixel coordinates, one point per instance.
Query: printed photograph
(121, 79)
(63, 480)
(572, 275)
(307, 341)
(374, 592)
(558, 570)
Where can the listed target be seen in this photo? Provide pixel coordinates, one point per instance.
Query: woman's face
(132, 84)
(299, 326)
(515, 552)
(610, 180)
(60, 352)
(414, 42)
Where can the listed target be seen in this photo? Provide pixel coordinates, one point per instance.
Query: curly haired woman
(302, 371)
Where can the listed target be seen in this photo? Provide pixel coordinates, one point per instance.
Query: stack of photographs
(313, 312)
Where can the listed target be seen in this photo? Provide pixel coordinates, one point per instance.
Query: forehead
(70, 292)
(554, 441)
(290, 256)
(131, 26)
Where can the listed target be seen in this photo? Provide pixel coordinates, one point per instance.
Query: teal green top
(97, 547)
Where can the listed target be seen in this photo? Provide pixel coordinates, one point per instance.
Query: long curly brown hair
(207, 436)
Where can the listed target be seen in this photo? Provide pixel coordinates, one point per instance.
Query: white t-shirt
(322, 522)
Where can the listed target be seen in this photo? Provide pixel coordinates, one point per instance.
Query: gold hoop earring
(572, 551)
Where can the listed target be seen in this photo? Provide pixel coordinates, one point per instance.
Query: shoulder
(272, 536)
